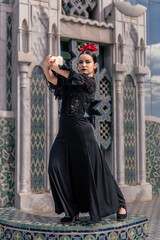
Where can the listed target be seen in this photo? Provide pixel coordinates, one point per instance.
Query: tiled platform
(17, 225)
(151, 209)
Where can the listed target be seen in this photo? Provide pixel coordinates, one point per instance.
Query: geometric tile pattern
(153, 155)
(38, 168)
(151, 210)
(102, 106)
(9, 61)
(78, 8)
(129, 131)
(15, 224)
(103, 126)
(7, 162)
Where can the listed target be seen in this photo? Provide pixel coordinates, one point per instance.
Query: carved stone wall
(40, 27)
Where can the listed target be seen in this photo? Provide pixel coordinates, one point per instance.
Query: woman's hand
(49, 61)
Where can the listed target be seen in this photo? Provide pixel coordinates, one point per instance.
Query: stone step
(18, 225)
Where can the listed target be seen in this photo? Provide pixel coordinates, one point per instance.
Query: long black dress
(80, 178)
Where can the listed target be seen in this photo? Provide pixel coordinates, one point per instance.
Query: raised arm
(49, 64)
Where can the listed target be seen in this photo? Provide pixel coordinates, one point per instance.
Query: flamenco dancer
(80, 178)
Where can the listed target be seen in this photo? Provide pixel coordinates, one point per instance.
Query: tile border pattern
(153, 155)
(7, 162)
(129, 131)
(38, 165)
(9, 61)
(15, 224)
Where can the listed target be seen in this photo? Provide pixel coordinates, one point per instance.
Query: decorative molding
(86, 22)
(152, 119)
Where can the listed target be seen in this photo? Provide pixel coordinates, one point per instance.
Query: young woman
(80, 178)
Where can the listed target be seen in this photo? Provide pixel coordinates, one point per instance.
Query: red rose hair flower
(89, 47)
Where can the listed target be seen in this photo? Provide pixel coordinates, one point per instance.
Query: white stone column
(58, 26)
(24, 180)
(119, 130)
(141, 113)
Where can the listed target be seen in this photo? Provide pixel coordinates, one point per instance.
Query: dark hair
(92, 54)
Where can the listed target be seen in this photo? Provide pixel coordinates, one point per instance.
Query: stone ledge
(35, 203)
(15, 224)
(141, 192)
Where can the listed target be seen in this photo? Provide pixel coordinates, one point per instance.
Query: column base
(141, 192)
(35, 203)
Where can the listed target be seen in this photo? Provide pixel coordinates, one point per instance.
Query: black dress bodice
(76, 91)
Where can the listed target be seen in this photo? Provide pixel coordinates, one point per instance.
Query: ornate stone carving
(39, 49)
(129, 51)
(134, 33)
(40, 19)
(78, 8)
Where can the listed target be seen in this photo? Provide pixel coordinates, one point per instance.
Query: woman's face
(86, 65)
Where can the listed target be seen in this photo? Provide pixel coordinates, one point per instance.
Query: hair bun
(89, 47)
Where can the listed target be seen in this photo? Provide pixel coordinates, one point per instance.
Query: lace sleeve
(74, 79)
(56, 89)
(78, 79)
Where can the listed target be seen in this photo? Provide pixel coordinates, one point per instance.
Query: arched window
(120, 53)
(24, 36)
(142, 56)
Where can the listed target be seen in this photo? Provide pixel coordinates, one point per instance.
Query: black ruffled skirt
(80, 178)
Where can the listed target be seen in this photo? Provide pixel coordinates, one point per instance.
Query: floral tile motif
(153, 155)
(7, 162)
(15, 224)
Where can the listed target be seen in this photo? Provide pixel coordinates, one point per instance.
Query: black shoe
(122, 217)
(66, 220)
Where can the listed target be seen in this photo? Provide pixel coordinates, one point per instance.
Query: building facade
(29, 113)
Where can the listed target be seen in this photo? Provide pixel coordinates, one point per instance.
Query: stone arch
(24, 36)
(129, 111)
(54, 38)
(142, 55)
(120, 49)
(38, 130)
(54, 29)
